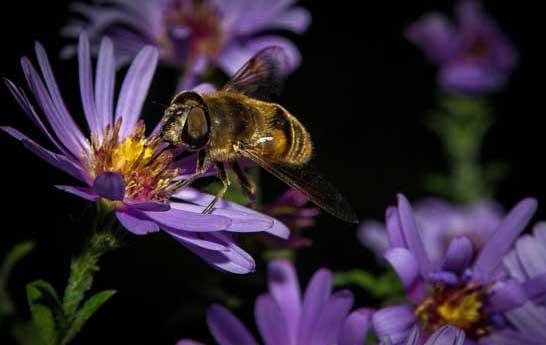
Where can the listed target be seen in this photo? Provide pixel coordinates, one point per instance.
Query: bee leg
(248, 186)
(222, 175)
(202, 166)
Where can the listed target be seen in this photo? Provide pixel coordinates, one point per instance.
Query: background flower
(193, 34)
(466, 289)
(282, 317)
(439, 222)
(119, 165)
(473, 54)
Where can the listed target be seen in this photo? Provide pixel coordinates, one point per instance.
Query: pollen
(460, 306)
(146, 169)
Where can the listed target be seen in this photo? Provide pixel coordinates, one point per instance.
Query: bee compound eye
(197, 128)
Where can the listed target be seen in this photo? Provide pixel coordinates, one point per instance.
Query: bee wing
(261, 77)
(309, 181)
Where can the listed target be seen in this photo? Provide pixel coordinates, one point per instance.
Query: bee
(240, 122)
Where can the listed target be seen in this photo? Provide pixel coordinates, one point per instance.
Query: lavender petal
(285, 289)
(104, 85)
(405, 264)
(110, 185)
(356, 327)
(226, 328)
(394, 322)
(315, 298)
(332, 316)
(84, 193)
(271, 322)
(136, 222)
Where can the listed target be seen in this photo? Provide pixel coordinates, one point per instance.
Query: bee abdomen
(300, 149)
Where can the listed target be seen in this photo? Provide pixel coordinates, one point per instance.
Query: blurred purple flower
(446, 335)
(292, 209)
(527, 326)
(439, 223)
(468, 289)
(123, 168)
(192, 34)
(283, 318)
(474, 56)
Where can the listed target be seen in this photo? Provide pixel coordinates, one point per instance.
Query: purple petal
(394, 229)
(445, 277)
(135, 88)
(188, 342)
(240, 221)
(231, 259)
(374, 236)
(532, 255)
(57, 160)
(501, 241)
(435, 35)
(84, 193)
(86, 83)
(405, 265)
(176, 220)
(412, 235)
(332, 316)
(104, 84)
(316, 295)
(59, 120)
(58, 104)
(271, 321)
(193, 196)
(226, 328)
(535, 288)
(285, 289)
(394, 322)
(447, 335)
(507, 295)
(110, 186)
(296, 20)
(136, 222)
(530, 320)
(154, 206)
(458, 256)
(27, 107)
(470, 76)
(356, 326)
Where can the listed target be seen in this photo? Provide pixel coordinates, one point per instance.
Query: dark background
(362, 91)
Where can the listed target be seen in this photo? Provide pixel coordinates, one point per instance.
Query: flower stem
(461, 123)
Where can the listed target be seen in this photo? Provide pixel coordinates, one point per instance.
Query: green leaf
(384, 286)
(19, 252)
(46, 311)
(14, 256)
(90, 307)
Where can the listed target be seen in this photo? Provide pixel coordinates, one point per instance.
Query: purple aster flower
(468, 289)
(292, 209)
(284, 318)
(122, 167)
(527, 326)
(446, 335)
(474, 56)
(439, 223)
(192, 34)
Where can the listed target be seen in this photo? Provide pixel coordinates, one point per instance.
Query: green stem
(461, 124)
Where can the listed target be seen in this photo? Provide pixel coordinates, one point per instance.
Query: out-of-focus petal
(412, 235)
(447, 335)
(394, 229)
(394, 322)
(356, 327)
(226, 328)
(285, 289)
(296, 20)
(458, 256)
(405, 265)
(110, 185)
(316, 296)
(501, 241)
(374, 236)
(188, 342)
(332, 317)
(435, 35)
(271, 321)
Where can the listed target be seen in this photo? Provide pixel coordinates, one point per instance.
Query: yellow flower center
(460, 306)
(146, 170)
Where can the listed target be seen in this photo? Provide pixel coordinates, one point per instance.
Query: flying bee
(239, 122)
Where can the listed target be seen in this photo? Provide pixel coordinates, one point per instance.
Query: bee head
(186, 122)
